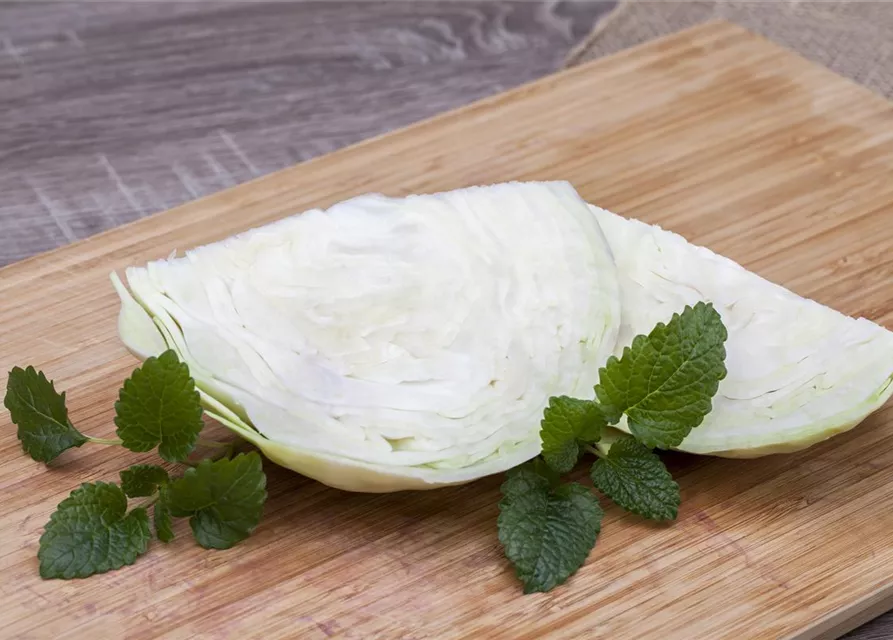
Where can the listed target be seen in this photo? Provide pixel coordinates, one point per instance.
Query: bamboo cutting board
(713, 133)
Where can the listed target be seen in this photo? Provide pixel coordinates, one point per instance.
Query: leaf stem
(592, 449)
(152, 500)
(109, 441)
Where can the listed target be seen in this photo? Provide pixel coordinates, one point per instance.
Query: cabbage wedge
(798, 372)
(390, 343)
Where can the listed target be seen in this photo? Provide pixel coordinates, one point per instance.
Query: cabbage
(390, 343)
(798, 372)
(409, 343)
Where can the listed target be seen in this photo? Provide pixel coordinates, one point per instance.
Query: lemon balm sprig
(93, 531)
(663, 384)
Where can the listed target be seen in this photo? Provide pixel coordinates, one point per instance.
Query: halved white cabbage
(798, 372)
(390, 343)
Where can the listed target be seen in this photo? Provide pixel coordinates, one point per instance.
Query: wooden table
(115, 111)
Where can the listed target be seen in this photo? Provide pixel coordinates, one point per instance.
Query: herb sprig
(664, 384)
(92, 531)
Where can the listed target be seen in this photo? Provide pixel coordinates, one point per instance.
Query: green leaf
(91, 532)
(162, 517)
(159, 406)
(142, 480)
(40, 414)
(542, 468)
(547, 533)
(567, 422)
(635, 478)
(665, 382)
(224, 498)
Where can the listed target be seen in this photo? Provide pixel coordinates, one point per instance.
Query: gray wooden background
(110, 111)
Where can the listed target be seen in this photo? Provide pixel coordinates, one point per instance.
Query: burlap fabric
(853, 39)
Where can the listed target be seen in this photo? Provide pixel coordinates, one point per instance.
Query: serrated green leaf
(39, 412)
(91, 532)
(541, 467)
(547, 533)
(635, 478)
(161, 517)
(143, 480)
(224, 498)
(159, 406)
(566, 423)
(665, 381)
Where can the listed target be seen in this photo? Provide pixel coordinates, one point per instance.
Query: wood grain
(114, 111)
(713, 133)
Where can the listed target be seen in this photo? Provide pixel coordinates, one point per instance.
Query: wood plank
(714, 133)
(114, 111)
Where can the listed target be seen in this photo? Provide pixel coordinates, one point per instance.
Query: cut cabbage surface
(798, 372)
(390, 343)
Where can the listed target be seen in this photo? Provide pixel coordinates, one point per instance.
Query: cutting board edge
(840, 622)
